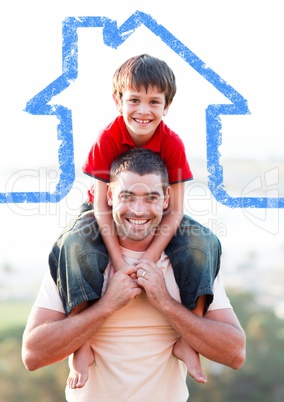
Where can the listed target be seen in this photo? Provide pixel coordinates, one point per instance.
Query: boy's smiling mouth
(142, 121)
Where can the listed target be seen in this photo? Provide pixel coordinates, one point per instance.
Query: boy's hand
(119, 264)
(150, 256)
(122, 266)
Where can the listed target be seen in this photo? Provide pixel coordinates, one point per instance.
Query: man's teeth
(138, 222)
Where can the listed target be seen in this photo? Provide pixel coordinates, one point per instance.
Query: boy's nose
(143, 109)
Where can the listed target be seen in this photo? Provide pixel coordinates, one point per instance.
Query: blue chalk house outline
(114, 36)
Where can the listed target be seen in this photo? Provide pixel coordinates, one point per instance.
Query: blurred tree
(19, 385)
(261, 377)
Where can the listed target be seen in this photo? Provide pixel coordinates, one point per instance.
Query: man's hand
(151, 278)
(121, 288)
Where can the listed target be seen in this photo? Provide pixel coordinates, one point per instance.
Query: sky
(241, 41)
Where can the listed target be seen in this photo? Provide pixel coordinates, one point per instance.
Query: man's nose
(138, 207)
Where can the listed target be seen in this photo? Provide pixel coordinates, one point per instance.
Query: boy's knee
(197, 235)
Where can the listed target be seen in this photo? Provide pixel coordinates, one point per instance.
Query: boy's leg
(81, 359)
(77, 262)
(187, 354)
(79, 367)
(183, 351)
(195, 253)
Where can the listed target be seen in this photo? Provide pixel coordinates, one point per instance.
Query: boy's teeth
(142, 121)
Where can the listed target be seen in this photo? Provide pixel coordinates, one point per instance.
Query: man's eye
(125, 197)
(152, 198)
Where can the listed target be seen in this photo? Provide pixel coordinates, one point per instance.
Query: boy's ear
(117, 103)
(165, 112)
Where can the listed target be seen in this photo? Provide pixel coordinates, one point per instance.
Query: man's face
(137, 204)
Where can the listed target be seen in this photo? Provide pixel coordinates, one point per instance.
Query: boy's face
(142, 112)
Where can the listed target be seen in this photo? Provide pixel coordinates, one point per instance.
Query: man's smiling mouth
(137, 222)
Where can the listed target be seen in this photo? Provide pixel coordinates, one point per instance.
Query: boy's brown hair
(144, 71)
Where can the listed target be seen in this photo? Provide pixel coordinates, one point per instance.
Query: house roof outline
(114, 36)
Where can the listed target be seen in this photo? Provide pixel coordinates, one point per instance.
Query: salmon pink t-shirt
(133, 349)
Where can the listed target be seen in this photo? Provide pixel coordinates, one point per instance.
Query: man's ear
(118, 103)
(167, 197)
(109, 195)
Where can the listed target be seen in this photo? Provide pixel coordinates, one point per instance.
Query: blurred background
(241, 42)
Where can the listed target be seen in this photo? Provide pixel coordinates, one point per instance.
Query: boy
(143, 89)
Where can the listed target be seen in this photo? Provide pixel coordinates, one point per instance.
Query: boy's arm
(106, 225)
(169, 224)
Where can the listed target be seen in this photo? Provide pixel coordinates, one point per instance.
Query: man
(134, 326)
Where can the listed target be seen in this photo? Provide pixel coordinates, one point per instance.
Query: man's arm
(50, 336)
(218, 335)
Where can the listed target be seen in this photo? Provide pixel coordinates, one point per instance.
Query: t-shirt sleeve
(100, 157)
(174, 155)
(220, 299)
(48, 296)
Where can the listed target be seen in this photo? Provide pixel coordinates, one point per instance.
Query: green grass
(14, 313)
